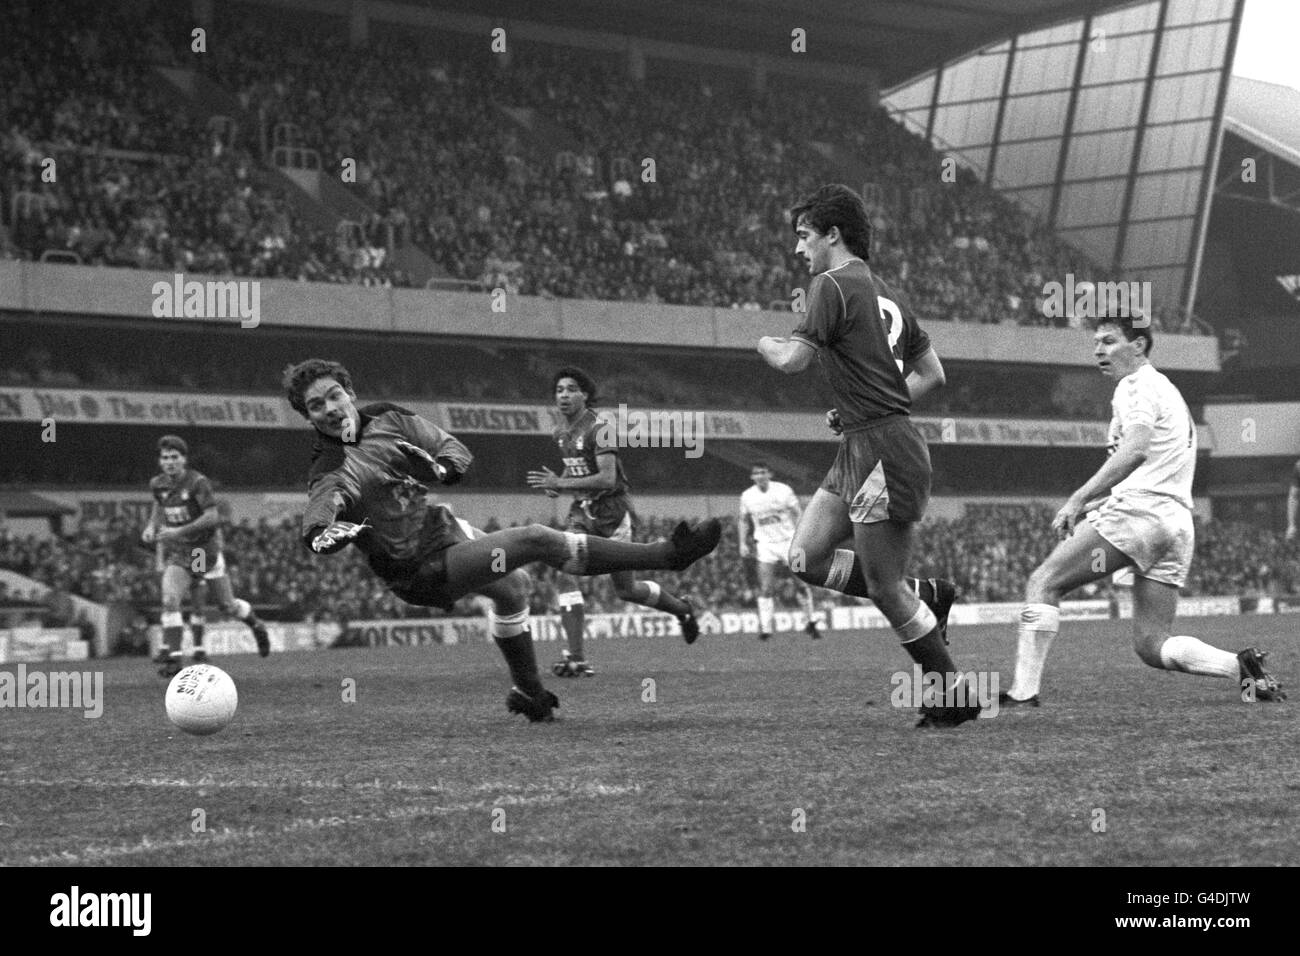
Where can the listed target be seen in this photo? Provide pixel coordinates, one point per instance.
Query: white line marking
(524, 795)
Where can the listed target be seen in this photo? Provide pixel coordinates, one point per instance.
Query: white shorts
(1154, 531)
(624, 530)
(773, 552)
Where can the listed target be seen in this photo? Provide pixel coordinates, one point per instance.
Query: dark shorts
(422, 580)
(610, 517)
(882, 472)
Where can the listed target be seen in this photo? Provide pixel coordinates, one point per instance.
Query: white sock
(1191, 656)
(1038, 625)
(507, 625)
(766, 605)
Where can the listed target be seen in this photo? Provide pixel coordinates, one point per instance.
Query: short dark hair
(759, 464)
(585, 381)
(1133, 327)
(173, 443)
(836, 205)
(298, 378)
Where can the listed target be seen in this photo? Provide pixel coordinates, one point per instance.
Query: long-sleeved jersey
(371, 479)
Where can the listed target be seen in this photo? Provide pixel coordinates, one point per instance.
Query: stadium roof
(1265, 114)
(898, 38)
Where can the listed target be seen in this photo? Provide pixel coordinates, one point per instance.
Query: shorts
(774, 552)
(212, 565)
(605, 517)
(422, 580)
(1154, 531)
(882, 472)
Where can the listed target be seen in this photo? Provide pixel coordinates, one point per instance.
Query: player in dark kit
(600, 507)
(186, 528)
(879, 485)
(370, 472)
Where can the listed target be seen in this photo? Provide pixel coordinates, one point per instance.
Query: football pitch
(727, 752)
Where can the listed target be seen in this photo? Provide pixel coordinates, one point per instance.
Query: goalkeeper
(371, 467)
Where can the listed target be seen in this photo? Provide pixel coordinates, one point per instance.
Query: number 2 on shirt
(893, 327)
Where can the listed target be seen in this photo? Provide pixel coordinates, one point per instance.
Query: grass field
(740, 737)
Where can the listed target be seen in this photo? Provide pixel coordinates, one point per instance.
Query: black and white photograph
(697, 433)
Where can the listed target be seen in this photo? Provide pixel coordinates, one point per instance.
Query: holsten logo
(103, 909)
(636, 429)
(232, 299)
(1097, 300)
(932, 689)
(81, 690)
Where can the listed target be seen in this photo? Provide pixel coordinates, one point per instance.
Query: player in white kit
(1139, 515)
(773, 509)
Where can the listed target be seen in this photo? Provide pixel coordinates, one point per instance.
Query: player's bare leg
(198, 617)
(1154, 606)
(814, 616)
(573, 619)
(651, 594)
(885, 548)
(766, 603)
(241, 610)
(175, 587)
(1083, 557)
(508, 622)
(472, 565)
(823, 554)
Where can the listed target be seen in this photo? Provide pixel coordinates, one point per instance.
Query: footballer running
(601, 507)
(857, 533)
(1143, 523)
(371, 470)
(769, 514)
(185, 526)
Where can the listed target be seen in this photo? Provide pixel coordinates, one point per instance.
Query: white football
(201, 699)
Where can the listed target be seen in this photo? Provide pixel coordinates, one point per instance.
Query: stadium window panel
(1030, 117)
(1051, 36)
(1129, 20)
(1158, 195)
(1100, 154)
(977, 158)
(978, 75)
(1166, 283)
(1174, 145)
(1119, 58)
(1193, 48)
(1108, 107)
(1198, 11)
(967, 124)
(1028, 164)
(1037, 200)
(1184, 97)
(1158, 243)
(914, 98)
(1097, 241)
(1091, 203)
(1043, 68)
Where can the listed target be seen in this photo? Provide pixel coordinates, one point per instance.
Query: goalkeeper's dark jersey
(370, 480)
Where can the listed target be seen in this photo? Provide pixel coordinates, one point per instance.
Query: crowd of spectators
(988, 552)
(542, 173)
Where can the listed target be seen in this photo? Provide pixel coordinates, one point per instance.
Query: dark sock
(605, 556)
(667, 601)
(518, 652)
(932, 654)
(196, 630)
(573, 620)
(172, 637)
